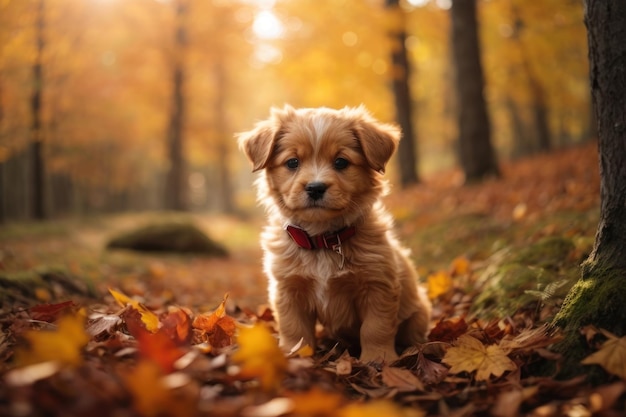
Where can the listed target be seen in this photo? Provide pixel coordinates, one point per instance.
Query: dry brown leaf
(611, 356)
(402, 379)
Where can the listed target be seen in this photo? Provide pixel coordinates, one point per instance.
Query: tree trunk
(401, 72)
(476, 152)
(37, 153)
(176, 182)
(227, 204)
(599, 297)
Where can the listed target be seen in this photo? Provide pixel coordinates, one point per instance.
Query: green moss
(597, 298)
(517, 277)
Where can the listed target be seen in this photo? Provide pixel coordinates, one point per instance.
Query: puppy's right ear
(259, 142)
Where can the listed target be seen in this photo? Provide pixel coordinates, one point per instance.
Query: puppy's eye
(341, 163)
(292, 163)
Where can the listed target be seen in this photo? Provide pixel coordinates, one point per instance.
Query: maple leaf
(611, 356)
(149, 319)
(218, 326)
(260, 357)
(439, 284)
(471, 355)
(64, 344)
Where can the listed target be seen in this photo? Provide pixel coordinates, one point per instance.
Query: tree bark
(401, 72)
(476, 152)
(38, 201)
(599, 297)
(176, 187)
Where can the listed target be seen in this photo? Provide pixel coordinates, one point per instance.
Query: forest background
(93, 92)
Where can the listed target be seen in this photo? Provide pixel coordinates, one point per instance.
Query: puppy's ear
(259, 142)
(378, 140)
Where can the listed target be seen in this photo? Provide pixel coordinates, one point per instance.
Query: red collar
(331, 240)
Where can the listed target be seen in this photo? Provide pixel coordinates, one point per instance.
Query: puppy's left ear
(378, 140)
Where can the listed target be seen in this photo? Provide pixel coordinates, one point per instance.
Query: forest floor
(91, 331)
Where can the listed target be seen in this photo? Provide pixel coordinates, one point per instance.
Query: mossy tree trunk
(599, 297)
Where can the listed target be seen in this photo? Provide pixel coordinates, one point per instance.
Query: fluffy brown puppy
(330, 253)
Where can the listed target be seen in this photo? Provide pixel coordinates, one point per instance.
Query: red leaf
(50, 312)
(448, 330)
(176, 323)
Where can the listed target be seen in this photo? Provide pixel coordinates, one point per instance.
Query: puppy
(329, 252)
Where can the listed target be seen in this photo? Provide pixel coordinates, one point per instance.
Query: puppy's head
(320, 166)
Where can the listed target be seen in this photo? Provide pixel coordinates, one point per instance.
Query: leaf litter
(145, 354)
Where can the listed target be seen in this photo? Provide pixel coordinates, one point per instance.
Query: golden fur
(373, 296)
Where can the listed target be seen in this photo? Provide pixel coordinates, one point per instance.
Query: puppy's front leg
(379, 312)
(295, 312)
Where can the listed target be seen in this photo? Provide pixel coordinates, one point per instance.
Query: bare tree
(176, 187)
(36, 107)
(407, 152)
(476, 152)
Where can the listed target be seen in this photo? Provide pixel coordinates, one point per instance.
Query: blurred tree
(37, 144)
(401, 75)
(598, 297)
(476, 151)
(176, 184)
(536, 88)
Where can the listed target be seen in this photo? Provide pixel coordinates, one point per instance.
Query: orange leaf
(219, 327)
(149, 319)
(315, 402)
(176, 323)
(471, 355)
(460, 266)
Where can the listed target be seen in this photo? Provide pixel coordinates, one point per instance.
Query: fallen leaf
(611, 356)
(218, 326)
(471, 355)
(448, 330)
(439, 284)
(260, 357)
(428, 371)
(402, 379)
(147, 388)
(64, 344)
(460, 266)
(379, 408)
(315, 402)
(176, 323)
(50, 312)
(149, 319)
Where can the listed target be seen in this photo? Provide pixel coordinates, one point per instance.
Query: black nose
(315, 190)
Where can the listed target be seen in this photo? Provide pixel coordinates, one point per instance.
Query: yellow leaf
(471, 355)
(439, 283)
(379, 408)
(611, 356)
(260, 357)
(63, 345)
(316, 402)
(149, 319)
